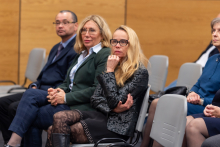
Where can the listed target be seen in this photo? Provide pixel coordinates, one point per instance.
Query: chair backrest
(35, 62)
(169, 122)
(143, 111)
(158, 69)
(189, 73)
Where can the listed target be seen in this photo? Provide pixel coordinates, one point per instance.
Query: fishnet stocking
(67, 122)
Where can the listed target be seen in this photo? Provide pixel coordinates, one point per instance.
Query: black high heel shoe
(60, 140)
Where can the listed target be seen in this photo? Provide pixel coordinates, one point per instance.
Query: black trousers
(8, 107)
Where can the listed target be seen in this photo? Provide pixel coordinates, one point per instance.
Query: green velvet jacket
(85, 81)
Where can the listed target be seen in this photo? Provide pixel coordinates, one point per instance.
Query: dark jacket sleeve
(135, 85)
(99, 102)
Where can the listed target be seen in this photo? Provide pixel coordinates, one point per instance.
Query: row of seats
(36, 61)
(166, 129)
(189, 73)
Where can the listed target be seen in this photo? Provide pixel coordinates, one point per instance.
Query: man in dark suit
(53, 73)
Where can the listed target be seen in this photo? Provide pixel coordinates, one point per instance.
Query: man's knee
(12, 109)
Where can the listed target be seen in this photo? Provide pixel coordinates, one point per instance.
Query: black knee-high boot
(60, 140)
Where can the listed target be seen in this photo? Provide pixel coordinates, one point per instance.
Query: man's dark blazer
(53, 74)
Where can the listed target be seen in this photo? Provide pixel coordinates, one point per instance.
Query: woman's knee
(153, 105)
(189, 119)
(193, 127)
(59, 115)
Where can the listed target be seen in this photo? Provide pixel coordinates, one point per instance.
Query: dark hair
(74, 17)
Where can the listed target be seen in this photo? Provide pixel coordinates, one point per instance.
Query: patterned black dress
(105, 123)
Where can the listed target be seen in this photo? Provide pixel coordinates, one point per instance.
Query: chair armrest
(121, 145)
(7, 81)
(10, 90)
(108, 139)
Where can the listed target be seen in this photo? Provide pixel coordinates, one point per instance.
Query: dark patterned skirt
(95, 126)
(212, 124)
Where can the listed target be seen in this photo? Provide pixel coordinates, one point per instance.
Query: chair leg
(60, 140)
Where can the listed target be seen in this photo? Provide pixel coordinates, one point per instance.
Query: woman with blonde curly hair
(117, 98)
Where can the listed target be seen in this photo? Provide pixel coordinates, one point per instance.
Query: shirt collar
(95, 49)
(67, 42)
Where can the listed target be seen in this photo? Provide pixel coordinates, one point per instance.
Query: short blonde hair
(135, 57)
(104, 30)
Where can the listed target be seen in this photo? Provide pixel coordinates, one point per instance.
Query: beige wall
(9, 21)
(37, 17)
(179, 29)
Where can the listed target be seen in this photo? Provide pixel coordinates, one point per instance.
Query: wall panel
(37, 17)
(179, 29)
(9, 29)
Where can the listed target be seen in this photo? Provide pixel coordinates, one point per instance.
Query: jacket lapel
(64, 51)
(87, 60)
(50, 59)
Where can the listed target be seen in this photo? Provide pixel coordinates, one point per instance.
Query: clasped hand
(212, 111)
(55, 96)
(193, 98)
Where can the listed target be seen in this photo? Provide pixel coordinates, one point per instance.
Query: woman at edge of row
(206, 87)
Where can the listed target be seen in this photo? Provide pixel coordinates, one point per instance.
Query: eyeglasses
(65, 23)
(122, 42)
(90, 31)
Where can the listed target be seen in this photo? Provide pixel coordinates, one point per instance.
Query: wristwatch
(201, 101)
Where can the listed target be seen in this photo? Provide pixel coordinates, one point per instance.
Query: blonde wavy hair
(135, 57)
(103, 28)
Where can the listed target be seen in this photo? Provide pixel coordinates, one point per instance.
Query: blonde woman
(117, 98)
(36, 108)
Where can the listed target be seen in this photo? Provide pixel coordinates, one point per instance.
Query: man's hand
(193, 98)
(123, 107)
(34, 87)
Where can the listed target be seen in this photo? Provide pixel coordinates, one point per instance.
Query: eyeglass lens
(122, 42)
(90, 31)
